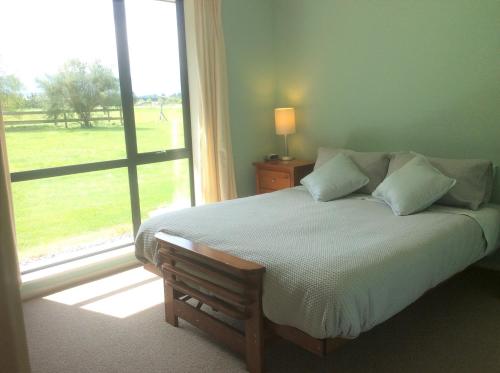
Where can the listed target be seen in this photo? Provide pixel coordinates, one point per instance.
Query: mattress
(334, 269)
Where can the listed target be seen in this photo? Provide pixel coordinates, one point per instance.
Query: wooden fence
(65, 117)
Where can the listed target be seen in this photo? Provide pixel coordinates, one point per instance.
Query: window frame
(133, 157)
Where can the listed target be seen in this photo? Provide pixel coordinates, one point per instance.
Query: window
(93, 95)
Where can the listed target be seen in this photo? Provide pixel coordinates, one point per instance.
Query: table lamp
(284, 121)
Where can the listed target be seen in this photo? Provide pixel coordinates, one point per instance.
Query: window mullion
(186, 107)
(127, 99)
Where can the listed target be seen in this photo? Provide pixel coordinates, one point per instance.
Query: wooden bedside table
(276, 175)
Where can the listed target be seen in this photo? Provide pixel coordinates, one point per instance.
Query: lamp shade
(284, 120)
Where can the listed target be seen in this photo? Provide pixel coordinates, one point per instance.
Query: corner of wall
(248, 31)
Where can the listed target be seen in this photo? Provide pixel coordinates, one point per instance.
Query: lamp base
(286, 158)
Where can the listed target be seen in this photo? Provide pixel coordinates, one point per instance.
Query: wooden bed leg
(170, 296)
(170, 315)
(254, 329)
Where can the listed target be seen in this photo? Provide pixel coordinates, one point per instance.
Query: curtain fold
(13, 346)
(208, 91)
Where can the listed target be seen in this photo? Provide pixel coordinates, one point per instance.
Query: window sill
(57, 278)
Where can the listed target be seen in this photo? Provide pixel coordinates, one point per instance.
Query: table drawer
(274, 179)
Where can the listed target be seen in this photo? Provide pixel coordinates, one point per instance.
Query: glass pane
(154, 64)
(163, 187)
(59, 83)
(71, 214)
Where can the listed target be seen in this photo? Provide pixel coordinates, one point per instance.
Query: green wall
(370, 75)
(248, 29)
(391, 75)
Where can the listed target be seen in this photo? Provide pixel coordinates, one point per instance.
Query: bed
(314, 273)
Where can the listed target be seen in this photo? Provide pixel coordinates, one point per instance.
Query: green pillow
(336, 178)
(414, 187)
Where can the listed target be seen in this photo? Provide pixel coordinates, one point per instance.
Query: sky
(37, 37)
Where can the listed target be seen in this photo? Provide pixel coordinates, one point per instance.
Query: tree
(80, 88)
(11, 92)
(34, 101)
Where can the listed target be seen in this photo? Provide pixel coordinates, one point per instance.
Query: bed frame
(196, 271)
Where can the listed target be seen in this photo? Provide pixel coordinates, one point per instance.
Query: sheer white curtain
(212, 152)
(13, 349)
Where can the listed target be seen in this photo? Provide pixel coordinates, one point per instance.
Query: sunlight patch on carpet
(125, 291)
(129, 302)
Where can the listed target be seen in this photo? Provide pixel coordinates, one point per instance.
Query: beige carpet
(116, 325)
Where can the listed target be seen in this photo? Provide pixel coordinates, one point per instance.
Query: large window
(97, 129)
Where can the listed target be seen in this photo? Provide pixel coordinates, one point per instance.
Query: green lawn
(61, 213)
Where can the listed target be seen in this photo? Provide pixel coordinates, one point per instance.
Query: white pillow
(372, 164)
(475, 178)
(336, 178)
(414, 187)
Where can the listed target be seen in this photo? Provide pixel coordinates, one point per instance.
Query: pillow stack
(474, 178)
(340, 172)
(373, 164)
(408, 182)
(334, 179)
(414, 187)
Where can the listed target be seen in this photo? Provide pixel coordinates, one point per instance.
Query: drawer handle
(273, 180)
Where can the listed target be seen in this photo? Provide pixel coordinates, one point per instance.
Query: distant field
(58, 213)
